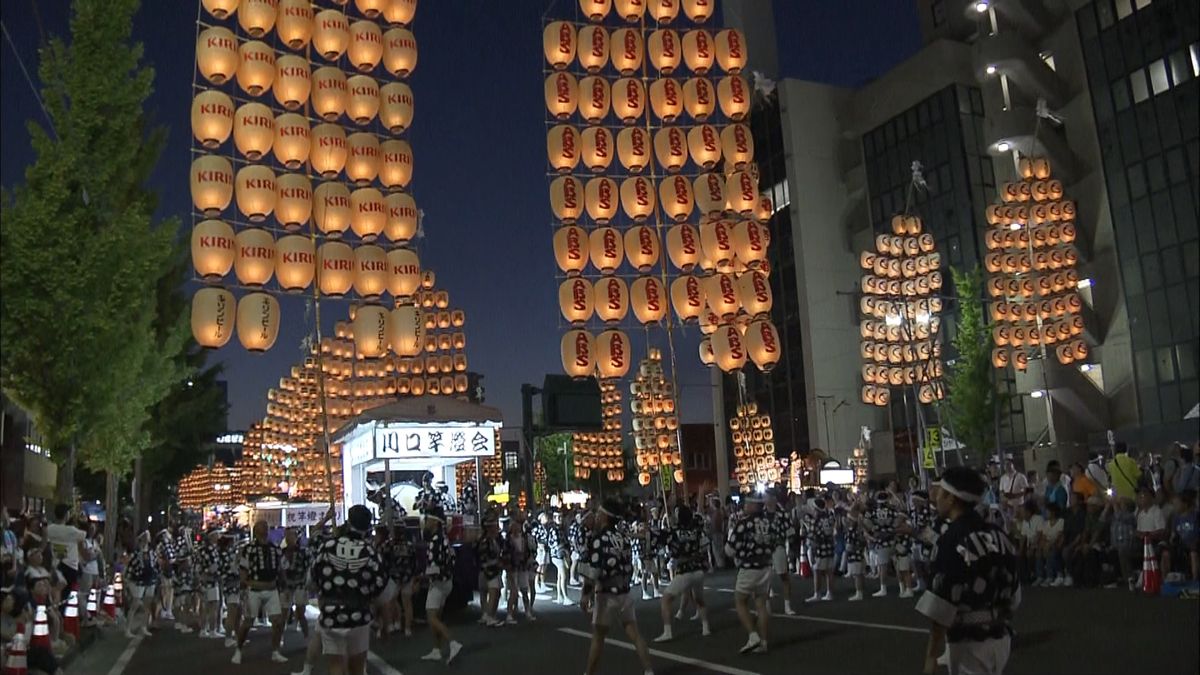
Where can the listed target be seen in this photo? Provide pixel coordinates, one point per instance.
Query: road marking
(716, 667)
(381, 665)
(126, 656)
(846, 622)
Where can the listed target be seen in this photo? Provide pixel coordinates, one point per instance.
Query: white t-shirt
(1015, 483)
(64, 541)
(1151, 520)
(1052, 531)
(1030, 529)
(92, 566)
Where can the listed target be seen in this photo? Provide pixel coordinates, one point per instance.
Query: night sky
(478, 139)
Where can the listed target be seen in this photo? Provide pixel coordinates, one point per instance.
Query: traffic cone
(1151, 576)
(110, 603)
(16, 662)
(93, 603)
(118, 589)
(71, 615)
(41, 628)
(805, 567)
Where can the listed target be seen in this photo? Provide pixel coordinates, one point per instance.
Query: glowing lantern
(670, 147)
(212, 117)
(637, 197)
(372, 273)
(728, 348)
(401, 223)
(400, 52)
(256, 67)
(641, 248)
(593, 98)
(331, 34)
(709, 192)
(630, 10)
(293, 22)
(754, 293)
(293, 81)
(566, 198)
(628, 99)
(328, 150)
(366, 45)
(665, 50)
(704, 145)
(562, 147)
(562, 95)
(213, 316)
(649, 300)
(571, 249)
(217, 54)
(663, 11)
(612, 354)
(293, 200)
(699, 98)
(213, 249)
(368, 213)
(598, 148)
(675, 193)
(404, 273)
(295, 262)
(331, 208)
(335, 268)
(257, 17)
(406, 331)
(698, 52)
(595, 10)
(592, 49)
(683, 246)
(291, 139)
(721, 293)
(363, 103)
(731, 50)
(211, 184)
(575, 300)
(606, 249)
(558, 44)
(400, 11)
(750, 243)
(362, 165)
(254, 189)
(741, 192)
(253, 130)
(220, 8)
(331, 93)
(600, 197)
(395, 171)
(633, 148)
(737, 145)
(396, 106)
(255, 260)
(626, 50)
(578, 354)
(733, 94)
(687, 297)
(716, 241)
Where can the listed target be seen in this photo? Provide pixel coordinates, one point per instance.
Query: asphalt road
(1060, 631)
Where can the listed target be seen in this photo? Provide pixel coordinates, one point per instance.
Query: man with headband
(752, 541)
(345, 623)
(439, 574)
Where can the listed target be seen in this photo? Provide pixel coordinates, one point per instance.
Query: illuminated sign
(446, 440)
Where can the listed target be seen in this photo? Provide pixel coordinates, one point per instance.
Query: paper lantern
(637, 197)
(571, 249)
(294, 22)
(670, 148)
(293, 200)
(641, 248)
(212, 117)
(754, 294)
(626, 50)
(362, 163)
(220, 8)
(721, 293)
(363, 102)
(683, 246)
(217, 54)
(699, 98)
(750, 243)
(576, 300)
(628, 99)
(256, 67)
(253, 130)
(665, 50)
(211, 184)
(737, 145)
(213, 249)
(733, 95)
(396, 106)
(600, 199)
(729, 348)
(400, 11)
(741, 192)
(558, 44)
(704, 146)
(762, 344)
(368, 213)
(400, 52)
(606, 249)
(630, 10)
(366, 45)
(330, 94)
(295, 262)
(562, 95)
(595, 10)
(594, 97)
(254, 188)
(598, 148)
(687, 297)
(716, 241)
(257, 17)
(371, 335)
(562, 147)
(649, 300)
(331, 34)
(329, 150)
(663, 11)
(214, 311)
(331, 208)
(292, 81)
(611, 299)
(698, 50)
(401, 224)
(675, 194)
(709, 193)
(396, 164)
(731, 50)
(335, 268)
(254, 263)
(592, 48)
(406, 331)
(578, 354)
(566, 198)
(404, 273)
(633, 148)
(612, 354)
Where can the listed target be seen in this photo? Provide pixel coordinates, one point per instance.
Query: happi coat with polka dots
(348, 574)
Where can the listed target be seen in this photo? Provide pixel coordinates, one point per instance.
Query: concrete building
(1117, 87)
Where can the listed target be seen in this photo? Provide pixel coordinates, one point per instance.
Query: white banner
(430, 441)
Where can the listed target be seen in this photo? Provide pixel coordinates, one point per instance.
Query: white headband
(965, 496)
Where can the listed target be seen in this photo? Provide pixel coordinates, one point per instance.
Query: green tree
(971, 394)
(84, 348)
(555, 453)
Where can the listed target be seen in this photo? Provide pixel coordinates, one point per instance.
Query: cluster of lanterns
(205, 487)
(901, 314)
(753, 447)
(861, 465)
(1031, 263)
(602, 451)
(492, 469)
(298, 174)
(655, 422)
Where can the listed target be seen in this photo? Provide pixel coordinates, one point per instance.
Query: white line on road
(126, 656)
(846, 622)
(382, 666)
(716, 667)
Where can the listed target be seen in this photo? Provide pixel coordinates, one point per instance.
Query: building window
(1137, 84)
(1124, 8)
(1158, 76)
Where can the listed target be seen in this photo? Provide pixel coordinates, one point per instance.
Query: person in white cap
(974, 588)
(439, 574)
(752, 541)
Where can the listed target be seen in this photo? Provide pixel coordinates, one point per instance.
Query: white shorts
(438, 592)
(492, 584)
(979, 658)
(779, 562)
(233, 598)
(822, 564)
(543, 556)
(855, 569)
(753, 581)
(609, 607)
(294, 598)
(882, 555)
(682, 582)
(138, 592)
(257, 600)
(345, 641)
(903, 563)
(211, 593)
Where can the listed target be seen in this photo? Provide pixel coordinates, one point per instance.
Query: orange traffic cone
(110, 603)
(118, 589)
(41, 628)
(71, 615)
(1151, 576)
(93, 603)
(16, 662)
(805, 567)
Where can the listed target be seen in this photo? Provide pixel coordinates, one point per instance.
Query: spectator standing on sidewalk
(1124, 472)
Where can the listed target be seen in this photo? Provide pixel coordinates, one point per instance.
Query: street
(1059, 631)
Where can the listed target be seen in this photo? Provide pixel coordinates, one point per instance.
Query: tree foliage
(550, 451)
(971, 393)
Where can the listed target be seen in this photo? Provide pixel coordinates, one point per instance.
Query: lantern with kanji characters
(258, 321)
(406, 331)
(214, 311)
